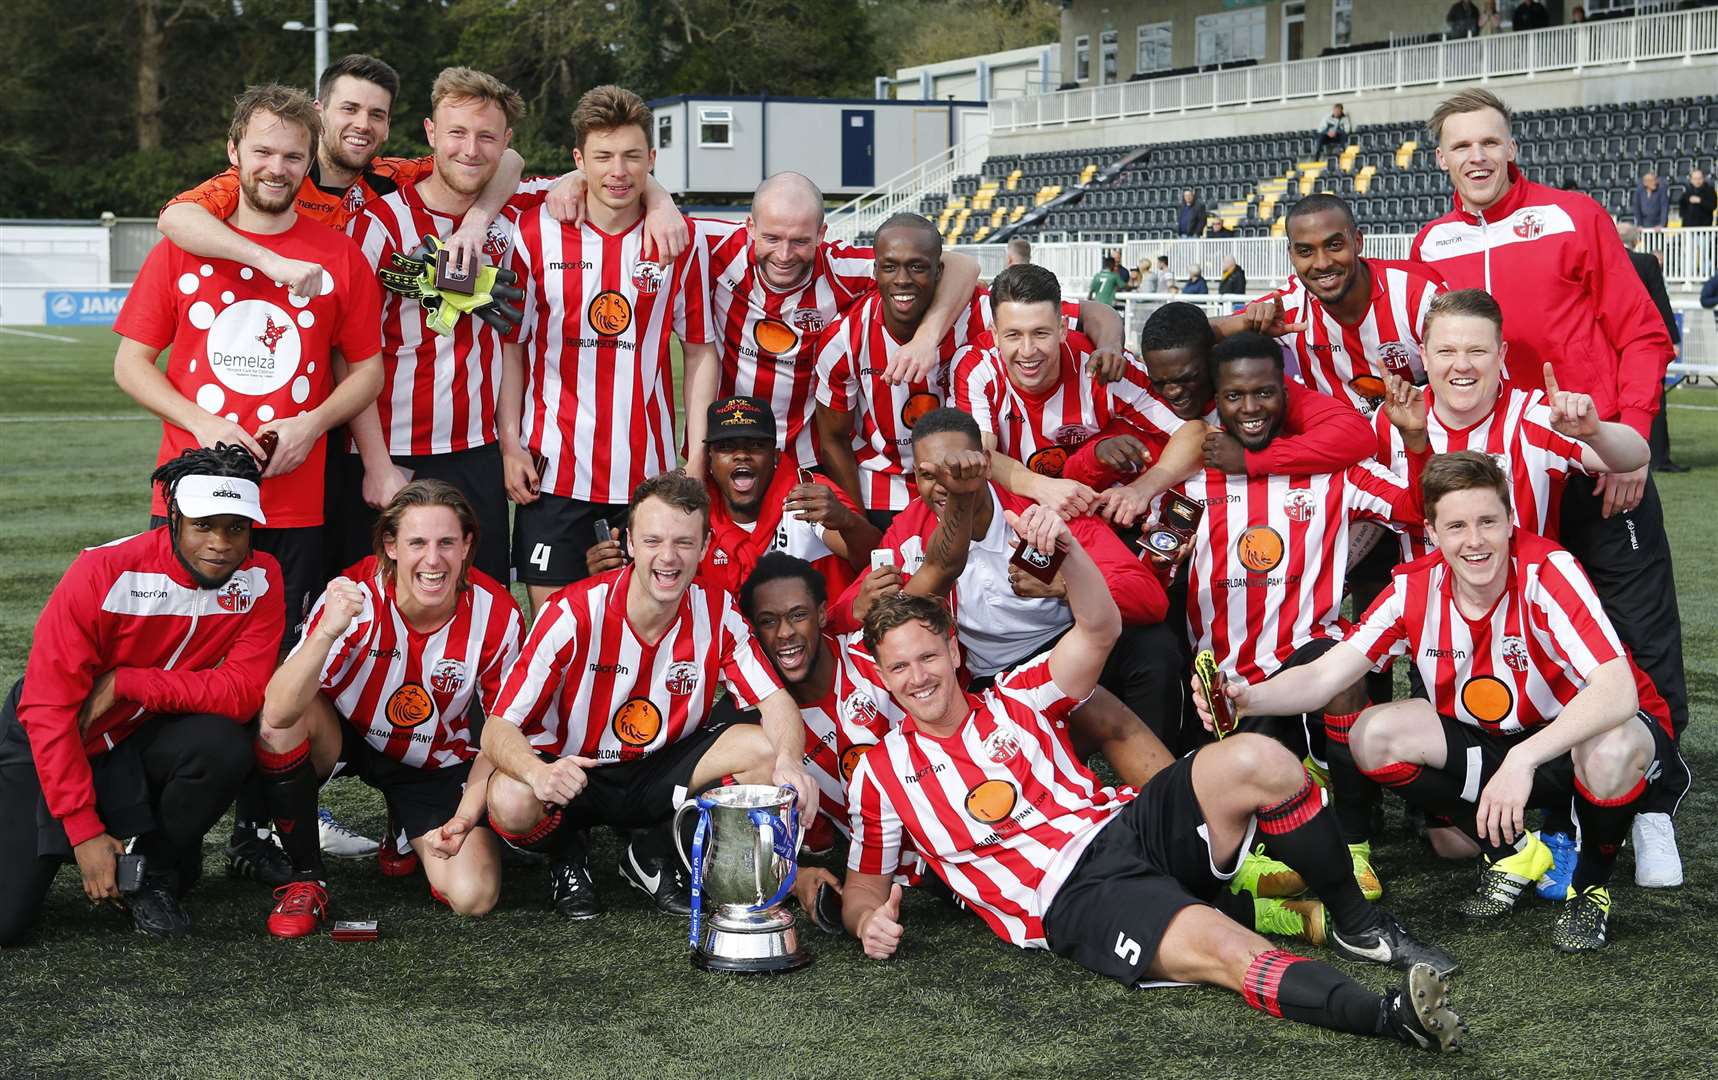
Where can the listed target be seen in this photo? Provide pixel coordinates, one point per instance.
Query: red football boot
(302, 909)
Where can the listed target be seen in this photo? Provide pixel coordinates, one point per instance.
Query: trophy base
(772, 951)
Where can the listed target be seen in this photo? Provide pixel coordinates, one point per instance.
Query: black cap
(740, 418)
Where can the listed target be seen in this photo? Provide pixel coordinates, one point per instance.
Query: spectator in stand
(1652, 276)
(1196, 283)
(1160, 280)
(1530, 15)
(1490, 22)
(1650, 206)
(1697, 201)
(1190, 221)
(1462, 20)
(1234, 280)
(1709, 296)
(1106, 282)
(1577, 14)
(1334, 130)
(1019, 252)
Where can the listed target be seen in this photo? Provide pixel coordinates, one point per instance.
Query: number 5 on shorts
(1127, 948)
(540, 558)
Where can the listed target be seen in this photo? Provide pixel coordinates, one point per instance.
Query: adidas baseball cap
(200, 496)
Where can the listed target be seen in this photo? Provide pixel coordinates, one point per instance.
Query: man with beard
(247, 360)
(1266, 565)
(1571, 298)
(436, 415)
(866, 402)
(148, 661)
(759, 505)
(1350, 320)
(987, 788)
(355, 98)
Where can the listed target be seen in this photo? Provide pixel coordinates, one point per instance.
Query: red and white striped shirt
(1348, 362)
(586, 684)
(1519, 664)
(1002, 809)
(408, 692)
(850, 366)
(1270, 559)
(1518, 434)
(438, 390)
(1042, 430)
(599, 381)
(768, 336)
(843, 726)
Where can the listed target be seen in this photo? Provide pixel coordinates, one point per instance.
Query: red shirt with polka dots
(247, 349)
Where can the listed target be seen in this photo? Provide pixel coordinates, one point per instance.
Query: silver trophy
(745, 855)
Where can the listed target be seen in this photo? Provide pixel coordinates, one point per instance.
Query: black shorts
(551, 536)
(1148, 863)
(646, 792)
(1476, 756)
(300, 553)
(476, 473)
(1302, 733)
(420, 800)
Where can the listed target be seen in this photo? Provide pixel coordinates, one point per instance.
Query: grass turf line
(521, 993)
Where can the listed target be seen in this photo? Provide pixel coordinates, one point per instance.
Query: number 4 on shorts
(540, 557)
(1127, 948)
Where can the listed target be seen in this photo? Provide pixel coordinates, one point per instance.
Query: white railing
(931, 177)
(1667, 36)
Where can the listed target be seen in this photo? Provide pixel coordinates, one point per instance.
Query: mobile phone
(1040, 565)
(1211, 681)
(269, 441)
(355, 930)
(881, 557)
(826, 910)
(128, 871)
(1176, 525)
(605, 533)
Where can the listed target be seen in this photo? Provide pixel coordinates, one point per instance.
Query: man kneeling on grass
(988, 790)
(397, 656)
(1534, 701)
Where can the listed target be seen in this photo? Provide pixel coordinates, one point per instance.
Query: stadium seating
(1392, 178)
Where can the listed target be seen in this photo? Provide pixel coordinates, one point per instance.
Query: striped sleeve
(1377, 494)
(837, 388)
(876, 826)
(1537, 431)
(692, 317)
(535, 676)
(745, 670)
(1383, 631)
(977, 388)
(1031, 684)
(1567, 608)
(501, 651)
(852, 270)
(343, 656)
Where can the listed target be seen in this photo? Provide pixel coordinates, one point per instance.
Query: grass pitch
(522, 993)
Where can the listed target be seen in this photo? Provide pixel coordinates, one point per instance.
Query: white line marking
(1695, 408)
(76, 418)
(33, 334)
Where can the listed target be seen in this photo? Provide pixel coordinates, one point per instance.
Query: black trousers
(476, 472)
(166, 784)
(1627, 556)
(1658, 438)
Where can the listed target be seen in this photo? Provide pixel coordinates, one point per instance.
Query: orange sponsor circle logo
(409, 706)
(1488, 699)
(774, 336)
(918, 405)
(991, 801)
(637, 722)
(1260, 549)
(850, 760)
(609, 313)
(1048, 461)
(1370, 387)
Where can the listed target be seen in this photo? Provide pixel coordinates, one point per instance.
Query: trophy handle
(679, 845)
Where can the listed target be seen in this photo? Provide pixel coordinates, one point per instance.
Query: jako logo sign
(82, 308)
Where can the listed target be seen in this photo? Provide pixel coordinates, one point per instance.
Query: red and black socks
(1300, 833)
(1295, 988)
(1604, 823)
(289, 786)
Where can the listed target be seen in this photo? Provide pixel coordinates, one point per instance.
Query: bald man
(777, 283)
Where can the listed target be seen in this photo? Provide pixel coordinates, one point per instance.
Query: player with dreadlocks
(129, 724)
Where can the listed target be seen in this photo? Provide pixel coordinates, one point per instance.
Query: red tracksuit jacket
(131, 608)
(1569, 295)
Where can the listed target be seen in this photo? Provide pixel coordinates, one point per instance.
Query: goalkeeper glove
(494, 296)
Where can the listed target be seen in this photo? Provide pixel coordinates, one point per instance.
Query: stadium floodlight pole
(321, 29)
